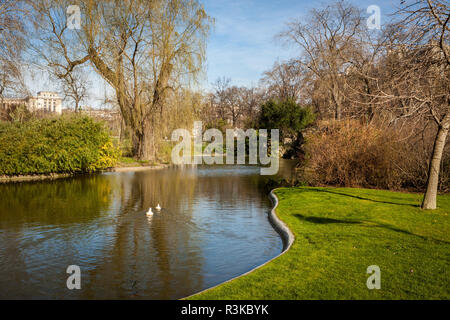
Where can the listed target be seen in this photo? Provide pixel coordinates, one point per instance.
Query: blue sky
(242, 45)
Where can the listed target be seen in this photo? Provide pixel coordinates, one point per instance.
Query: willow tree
(143, 49)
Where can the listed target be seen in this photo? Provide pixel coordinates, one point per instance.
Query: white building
(46, 101)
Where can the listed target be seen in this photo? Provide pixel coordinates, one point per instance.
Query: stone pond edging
(283, 230)
(286, 234)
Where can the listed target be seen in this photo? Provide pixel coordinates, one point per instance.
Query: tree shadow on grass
(363, 198)
(323, 220)
(369, 224)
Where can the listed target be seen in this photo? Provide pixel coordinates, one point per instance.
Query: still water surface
(213, 226)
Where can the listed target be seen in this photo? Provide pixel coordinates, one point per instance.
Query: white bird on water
(158, 207)
(149, 212)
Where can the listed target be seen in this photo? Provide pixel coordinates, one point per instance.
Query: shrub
(354, 155)
(290, 118)
(287, 116)
(63, 145)
(351, 154)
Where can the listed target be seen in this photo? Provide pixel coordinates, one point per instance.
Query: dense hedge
(64, 145)
(352, 154)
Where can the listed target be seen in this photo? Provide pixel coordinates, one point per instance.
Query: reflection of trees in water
(151, 257)
(231, 189)
(37, 233)
(56, 202)
(10, 252)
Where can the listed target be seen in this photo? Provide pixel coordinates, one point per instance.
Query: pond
(213, 226)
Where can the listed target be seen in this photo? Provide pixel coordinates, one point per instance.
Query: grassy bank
(339, 233)
(129, 162)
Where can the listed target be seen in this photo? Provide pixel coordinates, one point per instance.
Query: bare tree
(411, 78)
(285, 80)
(325, 38)
(220, 97)
(424, 80)
(236, 105)
(76, 87)
(233, 104)
(251, 100)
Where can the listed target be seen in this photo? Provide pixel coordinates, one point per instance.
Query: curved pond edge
(37, 177)
(283, 230)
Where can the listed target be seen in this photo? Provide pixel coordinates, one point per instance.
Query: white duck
(150, 212)
(158, 207)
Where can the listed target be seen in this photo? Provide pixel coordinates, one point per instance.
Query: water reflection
(213, 226)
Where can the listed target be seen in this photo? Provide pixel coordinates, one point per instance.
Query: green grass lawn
(130, 162)
(338, 234)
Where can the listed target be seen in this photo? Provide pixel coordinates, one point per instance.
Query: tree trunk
(429, 201)
(153, 138)
(142, 144)
(337, 102)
